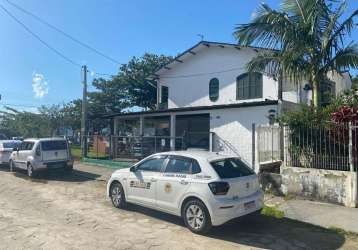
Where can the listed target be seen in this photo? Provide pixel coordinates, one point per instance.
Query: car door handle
(153, 180)
(183, 182)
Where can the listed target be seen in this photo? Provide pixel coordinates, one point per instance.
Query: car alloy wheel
(196, 216)
(117, 195)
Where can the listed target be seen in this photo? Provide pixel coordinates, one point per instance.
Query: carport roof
(224, 106)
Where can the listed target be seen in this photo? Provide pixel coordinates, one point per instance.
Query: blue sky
(119, 28)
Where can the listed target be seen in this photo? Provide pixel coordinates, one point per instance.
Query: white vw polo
(204, 188)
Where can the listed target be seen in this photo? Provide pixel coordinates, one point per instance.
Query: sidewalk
(317, 213)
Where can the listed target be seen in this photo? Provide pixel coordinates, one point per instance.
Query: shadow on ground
(264, 232)
(4, 168)
(58, 175)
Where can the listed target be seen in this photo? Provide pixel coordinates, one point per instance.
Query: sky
(32, 75)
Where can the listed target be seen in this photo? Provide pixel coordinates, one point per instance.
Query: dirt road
(70, 211)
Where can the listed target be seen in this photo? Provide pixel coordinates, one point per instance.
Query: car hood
(121, 171)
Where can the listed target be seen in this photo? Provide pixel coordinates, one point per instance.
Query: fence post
(350, 153)
(155, 144)
(285, 145)
(253, 149)
(210, 141)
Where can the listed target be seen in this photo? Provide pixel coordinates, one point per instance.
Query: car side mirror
(132, 169)
(15, 149)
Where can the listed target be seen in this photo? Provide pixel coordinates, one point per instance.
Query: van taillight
(219, 188)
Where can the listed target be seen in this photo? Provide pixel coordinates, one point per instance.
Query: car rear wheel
(196, 216)
(117, 195)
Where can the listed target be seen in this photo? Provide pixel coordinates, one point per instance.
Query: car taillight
(219, 188)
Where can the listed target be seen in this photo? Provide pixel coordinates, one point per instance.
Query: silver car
(6, 148)
(42, 154)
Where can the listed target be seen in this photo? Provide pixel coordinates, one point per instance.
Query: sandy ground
(69, 211)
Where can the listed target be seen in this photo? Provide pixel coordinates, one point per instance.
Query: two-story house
(206, 99)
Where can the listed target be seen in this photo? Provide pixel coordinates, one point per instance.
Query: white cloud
(39, 85)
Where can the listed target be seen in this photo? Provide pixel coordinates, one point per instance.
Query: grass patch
(76, 153)
(341, 231)
(107, 163)
(289, 197)
(272, 212)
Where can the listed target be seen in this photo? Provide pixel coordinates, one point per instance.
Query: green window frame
(214, 89)
(249, 86)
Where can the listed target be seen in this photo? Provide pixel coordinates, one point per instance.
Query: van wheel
(12, 166)
(196, 216)
(117, 195)
(69, 169)
(30, 170)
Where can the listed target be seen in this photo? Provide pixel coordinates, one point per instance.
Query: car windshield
(10, 144)
(53, 145)
(231, 168)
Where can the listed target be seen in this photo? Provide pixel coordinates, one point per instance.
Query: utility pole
(84, 114)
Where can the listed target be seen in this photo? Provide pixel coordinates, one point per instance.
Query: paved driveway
(70, 211)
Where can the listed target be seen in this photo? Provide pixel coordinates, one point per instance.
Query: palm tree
(305, 39)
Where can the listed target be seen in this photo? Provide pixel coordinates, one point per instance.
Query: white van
(41, 154)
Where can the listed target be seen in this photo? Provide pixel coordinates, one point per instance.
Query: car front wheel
(30, 171)
(12, 165)
(117, 195)
(196, 217)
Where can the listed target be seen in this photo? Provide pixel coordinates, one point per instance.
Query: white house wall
(194, 90)
(235, 126)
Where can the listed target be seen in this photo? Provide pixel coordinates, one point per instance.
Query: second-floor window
(165, 94)
(214, 89)
(249, 86)
(327, 90)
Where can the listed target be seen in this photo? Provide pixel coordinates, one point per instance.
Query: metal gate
(268, 143)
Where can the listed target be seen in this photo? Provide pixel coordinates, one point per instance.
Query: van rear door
(56, 150)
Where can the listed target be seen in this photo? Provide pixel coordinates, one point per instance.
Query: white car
(204, 188)
(41, 154)
(6, 148)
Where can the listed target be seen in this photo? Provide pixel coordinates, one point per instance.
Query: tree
(72, 114)
(305, 38)
(130, 87)
(53, 118)
(22, 123)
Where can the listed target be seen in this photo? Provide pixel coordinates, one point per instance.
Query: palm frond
(345, 28)
(268, 29)
(346, 58)
(332, 25)
(266, 63)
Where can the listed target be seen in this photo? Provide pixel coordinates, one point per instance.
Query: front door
(21, 155)
(141, 184)
(174, 182)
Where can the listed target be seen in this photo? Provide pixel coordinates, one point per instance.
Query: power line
(39, 38)
(64, 33)
(18, 105)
